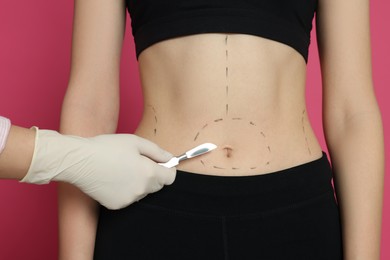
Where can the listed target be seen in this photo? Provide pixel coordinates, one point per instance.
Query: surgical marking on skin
(304, 131)
(263, 141)
(155, 119)
(266, 146)
(202, 162)
(154, 110)
(196, 137)
(227, 73)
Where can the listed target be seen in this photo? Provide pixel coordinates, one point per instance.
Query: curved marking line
(196, 137)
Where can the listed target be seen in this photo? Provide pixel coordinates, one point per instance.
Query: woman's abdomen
(243, 93)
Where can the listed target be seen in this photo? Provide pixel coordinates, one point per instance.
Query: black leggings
(289, 214)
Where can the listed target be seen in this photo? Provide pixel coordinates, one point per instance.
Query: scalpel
(201, 149)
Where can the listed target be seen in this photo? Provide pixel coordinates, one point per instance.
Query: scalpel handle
(171, 163)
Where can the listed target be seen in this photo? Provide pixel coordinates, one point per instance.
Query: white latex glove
(116, 170)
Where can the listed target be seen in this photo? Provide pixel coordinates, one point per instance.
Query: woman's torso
(244, 93)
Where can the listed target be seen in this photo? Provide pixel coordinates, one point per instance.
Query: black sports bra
(285, 21)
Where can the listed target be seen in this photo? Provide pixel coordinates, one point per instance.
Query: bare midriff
(244, 93)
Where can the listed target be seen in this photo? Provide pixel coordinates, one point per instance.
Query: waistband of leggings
(229, 194)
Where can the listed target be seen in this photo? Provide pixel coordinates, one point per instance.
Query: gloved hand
(116, 170)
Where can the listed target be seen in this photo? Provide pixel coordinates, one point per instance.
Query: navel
(228, 150)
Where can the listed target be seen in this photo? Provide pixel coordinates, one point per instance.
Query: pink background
(35, 45)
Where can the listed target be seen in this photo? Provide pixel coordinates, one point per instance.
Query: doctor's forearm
(17, 155)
